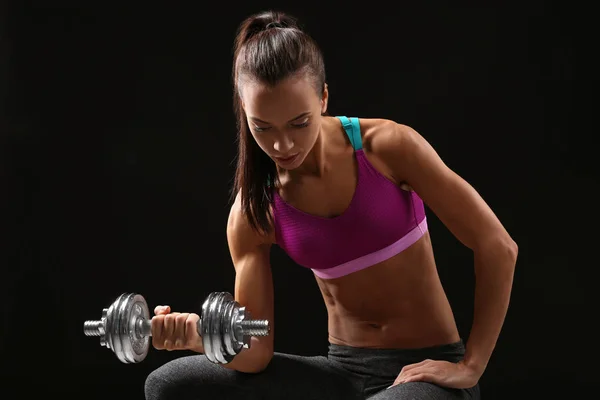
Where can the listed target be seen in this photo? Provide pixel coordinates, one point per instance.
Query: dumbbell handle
(251, 327)
(143, 327)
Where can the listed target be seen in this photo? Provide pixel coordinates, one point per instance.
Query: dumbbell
(225, 326)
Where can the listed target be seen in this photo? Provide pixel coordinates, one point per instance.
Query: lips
(286, 159)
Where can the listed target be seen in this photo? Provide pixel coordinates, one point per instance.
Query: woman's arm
(413, 160)
(250, 253)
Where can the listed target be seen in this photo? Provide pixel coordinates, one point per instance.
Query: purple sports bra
(381, 221)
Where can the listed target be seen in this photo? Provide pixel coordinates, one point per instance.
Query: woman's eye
(302, 124)
(299, 125)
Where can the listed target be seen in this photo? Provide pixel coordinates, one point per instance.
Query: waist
(451, 351)
(408, 332)
(386, 363)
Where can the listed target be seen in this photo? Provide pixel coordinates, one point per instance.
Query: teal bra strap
(352, 128)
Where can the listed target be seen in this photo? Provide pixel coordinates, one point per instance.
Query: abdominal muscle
(398, 303)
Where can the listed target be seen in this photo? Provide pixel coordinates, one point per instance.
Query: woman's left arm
(462, 210)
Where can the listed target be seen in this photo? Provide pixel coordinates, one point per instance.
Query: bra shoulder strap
(352, 128)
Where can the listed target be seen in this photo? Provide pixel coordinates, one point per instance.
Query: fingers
(179, 330)
(418, 377)
(168, 330)
(418, 372)
(192, 337)
(157, 324)
(162, 310)
(416, 365)
(174, 331)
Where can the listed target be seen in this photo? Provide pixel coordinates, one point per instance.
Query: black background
(118, 150)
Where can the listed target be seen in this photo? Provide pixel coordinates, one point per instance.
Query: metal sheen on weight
(225, 326)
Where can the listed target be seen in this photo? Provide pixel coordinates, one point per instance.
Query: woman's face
(285, 120)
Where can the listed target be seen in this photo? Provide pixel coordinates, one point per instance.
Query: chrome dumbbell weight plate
(124, 328)
(226, 327)
(218, 337)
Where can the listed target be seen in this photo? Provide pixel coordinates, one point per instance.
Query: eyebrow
(304, 114)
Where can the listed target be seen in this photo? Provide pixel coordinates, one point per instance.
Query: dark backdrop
(118, 150)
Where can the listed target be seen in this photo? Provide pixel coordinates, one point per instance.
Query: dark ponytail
(269, 47)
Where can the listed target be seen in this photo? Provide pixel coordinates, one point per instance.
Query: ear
(324, 99)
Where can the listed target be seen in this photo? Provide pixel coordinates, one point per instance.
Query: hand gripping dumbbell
(225, 327)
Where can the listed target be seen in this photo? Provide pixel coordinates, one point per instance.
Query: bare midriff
(398, 303)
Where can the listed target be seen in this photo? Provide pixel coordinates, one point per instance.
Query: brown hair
(269, 47)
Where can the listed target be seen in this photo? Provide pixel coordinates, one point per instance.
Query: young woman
(344, 197)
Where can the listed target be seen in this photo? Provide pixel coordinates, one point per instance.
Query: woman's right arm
(250, 253)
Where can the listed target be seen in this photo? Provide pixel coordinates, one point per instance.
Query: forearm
(252, 360)
(494, 270)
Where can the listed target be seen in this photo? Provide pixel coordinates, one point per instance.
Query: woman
(346, 198)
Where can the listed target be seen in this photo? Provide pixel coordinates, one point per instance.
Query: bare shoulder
(384, 140)
(379, 133)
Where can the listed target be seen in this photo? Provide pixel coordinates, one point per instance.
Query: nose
(283, 144)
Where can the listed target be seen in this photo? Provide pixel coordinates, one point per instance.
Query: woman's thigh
(287, 377)
(424, 390)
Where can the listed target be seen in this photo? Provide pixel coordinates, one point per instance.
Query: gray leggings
(345, 373)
